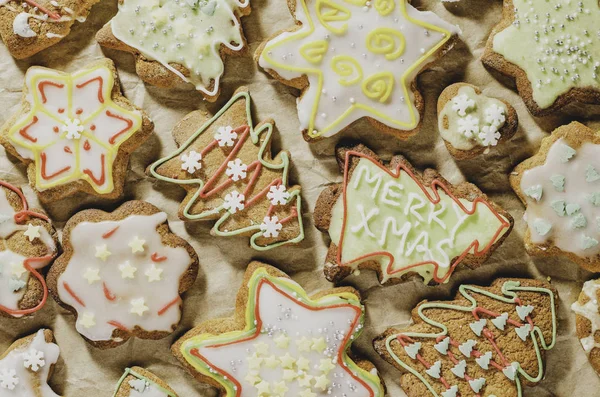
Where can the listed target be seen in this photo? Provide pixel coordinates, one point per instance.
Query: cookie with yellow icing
(30, 26)
(281, 342)
(356, 59)
(75, 131)
(179, 41)
(552, 50)
(139, 382)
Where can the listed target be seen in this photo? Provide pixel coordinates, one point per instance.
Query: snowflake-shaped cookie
(495, 115)
(234, 202)
(271, 226)
(226, 136)
(8, 379)
(191, 162)
(34, 359)
(278, 195)
(236, 170)
(468, 126)
(462, 103)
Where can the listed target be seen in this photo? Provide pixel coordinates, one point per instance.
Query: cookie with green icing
(560, 187)
(139, 382)
(471, 123)
(178, 41)
(390, 218)
(488, 341)
(551, 50)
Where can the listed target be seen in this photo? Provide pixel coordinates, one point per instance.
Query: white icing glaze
(131, 296)
(21, 26)
(26, 382)
(589, 311)
(149, 390)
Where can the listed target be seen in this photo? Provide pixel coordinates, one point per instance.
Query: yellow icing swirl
(347, 67)
(385, 7)
(314, 51)
(328, 12)
(379, 87)
(386, 41)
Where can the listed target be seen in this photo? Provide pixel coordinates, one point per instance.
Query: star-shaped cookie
(75, 131)
(356, 59)
(176, 42)
(282, 342)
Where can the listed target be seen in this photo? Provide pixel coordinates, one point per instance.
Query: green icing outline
(298, 292)
(129, 371)
(509, 288)
(255, 135)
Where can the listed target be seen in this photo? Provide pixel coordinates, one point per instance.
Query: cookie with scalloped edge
(139, 382)
(179, 42)
(471, 123)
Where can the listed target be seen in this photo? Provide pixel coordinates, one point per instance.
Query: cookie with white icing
(30, 26)
(560, 187)
(75, 131)
(471, 123)
(357, 59)
(139, 382)
(551, 50)
(488, 341)
(587, 316)
(122, 274)
(282, 342)
(179, 41)
(390, 218)
(28, 243)
(226, 166)
(27, 365)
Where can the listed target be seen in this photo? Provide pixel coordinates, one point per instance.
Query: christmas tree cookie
(27, 365)
(139, 382)
(552, 50)
(356, 59)
(178, 41)
(560, 187)
(282, 342)
(122, 274)
(226, 166)
(75, 131)
(400, 223)
(30, 26)
(489, 341)
(28, 243)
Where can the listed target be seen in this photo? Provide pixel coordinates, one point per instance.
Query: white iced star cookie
(356, 59)
(290, 345)
(177, 41)
(471, 123)
(552, 49)
(139, 382)
(135, 290)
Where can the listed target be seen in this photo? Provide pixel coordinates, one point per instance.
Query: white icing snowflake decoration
(462, 103)
(234, 202)
(34, 359)
(271, 226)
(468, 126)
(226, 136)
(8, 379)
(191, 162)
(236, 170)
(494, 115)
(73, 128)
(489, 135)
(278, 195)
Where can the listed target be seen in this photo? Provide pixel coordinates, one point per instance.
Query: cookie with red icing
(75, 131)
(122, 274)
(28, 243)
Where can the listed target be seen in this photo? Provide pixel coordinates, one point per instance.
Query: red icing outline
(98, 181)
(110, 233)
(108, 293)
(129, 122)
(41, 86)
(43, 170)
(435, 185)
(169, 305)
(101, 84)
(72, 293)
(23, 131)
(157, 258)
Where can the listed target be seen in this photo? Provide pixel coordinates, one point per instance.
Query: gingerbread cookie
(489, 341)
(75, 131)
(178, 41)
(226, 166)
(281, 342)
(30, 26)
(560, 187)
(28, 243)
(122, 274)
(356, 59)
(139, 382)
(551, 50)
(470, 123)
(27, 365)
(391, 219)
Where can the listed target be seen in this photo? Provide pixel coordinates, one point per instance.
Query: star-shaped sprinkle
(102, 252)
(17, 269)
(92, 275)
(319, 345)
(154, 273)
(88, 320)
(127, 270)
(322, 382)
(282, 341)
(138, 306)
(137, 245)
(287, 361)
(32, 232)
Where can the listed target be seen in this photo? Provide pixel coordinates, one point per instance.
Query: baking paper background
(84, 370)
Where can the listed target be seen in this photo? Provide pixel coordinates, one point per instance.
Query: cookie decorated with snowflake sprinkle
(27, 365)
(139, 382)
(179, 41)
(488, 341)
(226, 166)
(75, 131)
(122, 274)
(356, 59)
(30, 26)
(551, 49)
(390, 218)
(281, 342)
(560, 186)
(471, 123)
